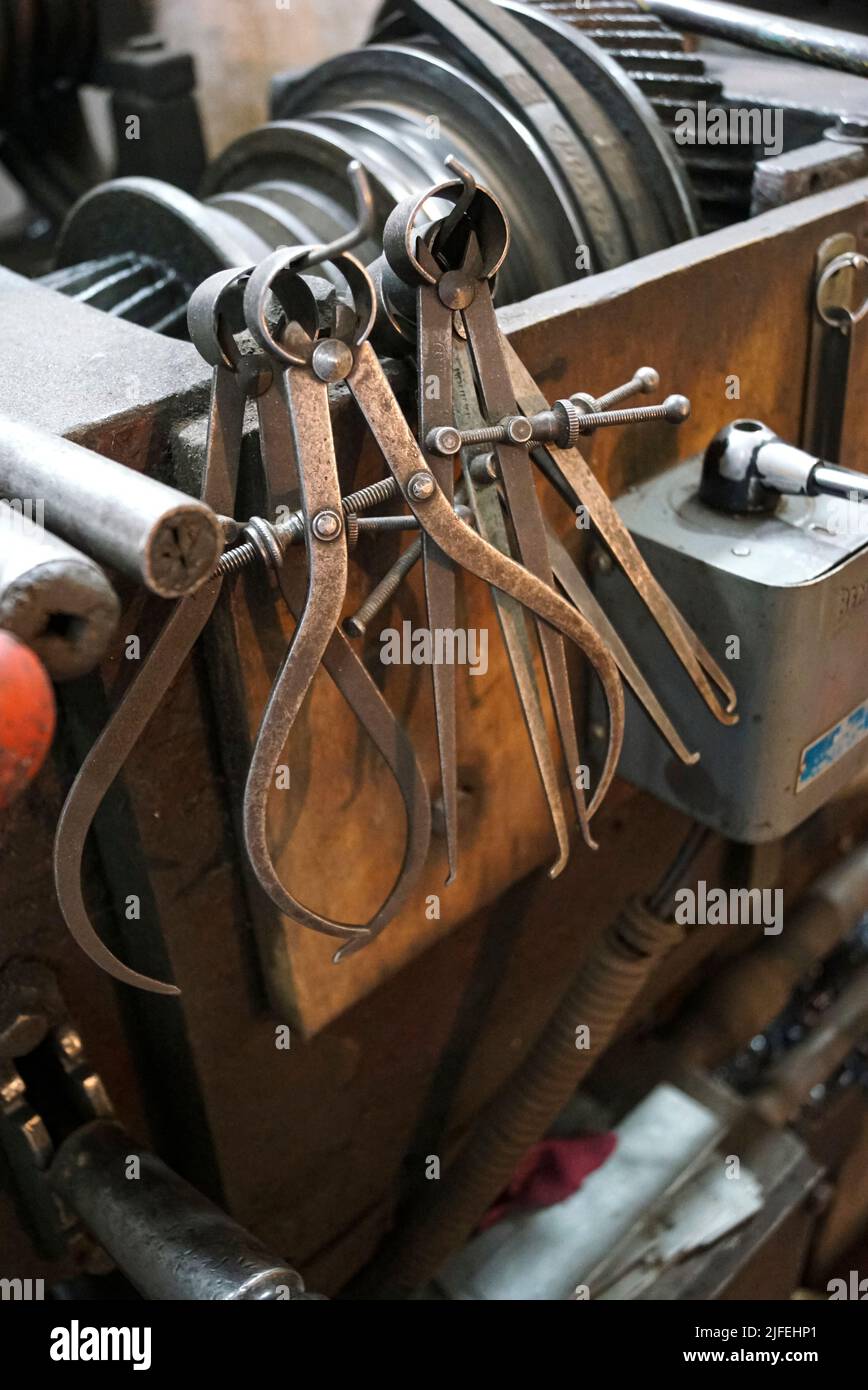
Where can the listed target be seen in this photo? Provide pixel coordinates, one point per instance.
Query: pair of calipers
(433, 292)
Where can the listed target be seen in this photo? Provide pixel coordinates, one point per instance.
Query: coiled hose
(603, 991)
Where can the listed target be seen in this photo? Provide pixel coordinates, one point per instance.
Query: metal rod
(643, 381)
(839, 482)
(362, 229)
(675, 409)
(154, 534)
(53, 598)
(169, 1240)
(387, 523)
(290, 529)
(789, 38)
(356, 625)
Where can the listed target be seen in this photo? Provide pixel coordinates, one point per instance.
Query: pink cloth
(550, 1172)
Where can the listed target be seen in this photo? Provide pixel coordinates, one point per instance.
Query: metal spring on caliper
(265, 535)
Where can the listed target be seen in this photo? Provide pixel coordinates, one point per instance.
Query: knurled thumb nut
(421, 486)
(327, 525)
(569, 419)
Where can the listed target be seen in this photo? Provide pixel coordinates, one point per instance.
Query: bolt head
(519, 430)
(582, 401)
(456, 289)
(445, 440)
(421, 486)
(484, 469)
(647, 380)
(676, 408)
(327, 525)
(332, 360)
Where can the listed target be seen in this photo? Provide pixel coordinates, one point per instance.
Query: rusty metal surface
(434, 354)
(472, 553)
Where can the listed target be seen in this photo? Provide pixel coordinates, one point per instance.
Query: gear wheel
(673, 79)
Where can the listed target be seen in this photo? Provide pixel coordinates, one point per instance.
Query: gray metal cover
(793, 589)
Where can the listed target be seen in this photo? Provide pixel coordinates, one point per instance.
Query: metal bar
(496, 389)
(170, 1241)
(434, 360)
(154, 534)
(53, 598)
(578, 592)
(491, 525)
(788, 38)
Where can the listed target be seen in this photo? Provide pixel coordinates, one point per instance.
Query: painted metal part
(790, 587)
(27, 717)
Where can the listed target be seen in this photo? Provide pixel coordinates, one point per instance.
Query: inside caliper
(480, 412)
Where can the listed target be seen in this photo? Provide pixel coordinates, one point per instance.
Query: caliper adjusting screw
(446, 440)
(675, 409)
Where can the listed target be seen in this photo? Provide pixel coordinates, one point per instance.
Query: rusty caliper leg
(434, 363)
(471, 552)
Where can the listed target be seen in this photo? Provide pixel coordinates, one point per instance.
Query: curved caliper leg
(307, 367)
(453, 264)
(160, 666)
(696, 659)
(375, 398)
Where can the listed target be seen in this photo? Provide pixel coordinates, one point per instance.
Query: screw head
(421, 486)
(676, 409)
(327, 525)
(484, 469)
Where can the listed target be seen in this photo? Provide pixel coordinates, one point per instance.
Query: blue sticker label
(830, 747)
